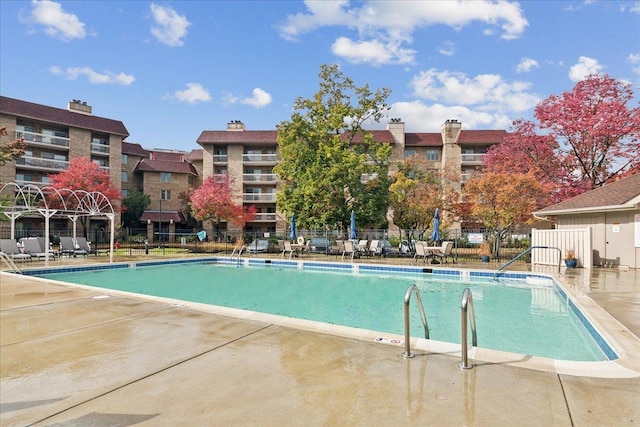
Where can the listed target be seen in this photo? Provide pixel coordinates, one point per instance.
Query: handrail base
(408, 355)
(463, 366)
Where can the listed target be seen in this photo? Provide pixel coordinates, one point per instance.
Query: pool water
(518, 318)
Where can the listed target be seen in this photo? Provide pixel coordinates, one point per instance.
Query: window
(125, 177)
(125, 193)
(409, 153)
(190, 180)
(165, 176)
(433, 155)
(103, 163)
(125, 159)
(165, 194)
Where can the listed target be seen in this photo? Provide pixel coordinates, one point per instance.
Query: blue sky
(169, 70)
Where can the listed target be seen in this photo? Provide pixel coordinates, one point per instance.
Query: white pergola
(17, 200)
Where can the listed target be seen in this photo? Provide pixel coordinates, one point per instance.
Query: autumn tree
(10, 150)
(502, 201)
(135, 203)
(83, 174)
(329, 164)
(213, 201)
(583, 139)
(415, 194)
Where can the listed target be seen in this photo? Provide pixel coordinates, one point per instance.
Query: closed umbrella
(435, 236)
(352, 236)
(292, 232)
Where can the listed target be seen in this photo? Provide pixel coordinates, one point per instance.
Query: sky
(169, 70)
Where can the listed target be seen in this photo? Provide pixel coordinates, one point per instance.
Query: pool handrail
(466, 306)
(526, 251)
(407, 327)
(9, 262)
(240, 248)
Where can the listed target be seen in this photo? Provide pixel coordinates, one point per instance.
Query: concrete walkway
(76, 357)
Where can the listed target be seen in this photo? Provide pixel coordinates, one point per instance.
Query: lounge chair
(443, 253)
(10, 248)
(83, 245)
(32, 247)
(42, 243)
(69, 247)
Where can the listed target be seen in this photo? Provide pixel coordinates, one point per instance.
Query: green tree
(331, 165)
(135, 203)
(415, 194)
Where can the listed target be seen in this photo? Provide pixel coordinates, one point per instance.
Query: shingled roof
(148, 165)
(244, 136)
(620, 195)
(423, 139)
(481, 136)
(134, 149)
(30, 110)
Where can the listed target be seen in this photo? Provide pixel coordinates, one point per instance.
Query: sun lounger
(10, 248)
(69, 247)
(32, 247)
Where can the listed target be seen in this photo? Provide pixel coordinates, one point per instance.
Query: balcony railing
(265, 217)
(472, 158)
(259, 197)
(23, 182)
(266, 158)
(36, 162)
(40, 138)
(265, 178)
(99, 148)
(219, 158)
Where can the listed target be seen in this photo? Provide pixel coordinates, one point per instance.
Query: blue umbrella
(352, 236)
(435, 236)
(292, 232)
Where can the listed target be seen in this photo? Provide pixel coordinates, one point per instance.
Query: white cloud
(192, 94)
(526, 64)
(489, 92)
(634, 59)
(259, 99)
(447, 48)
(72, 73)
(170, 28)
(585, 67)
(383, 26)
(57, 22)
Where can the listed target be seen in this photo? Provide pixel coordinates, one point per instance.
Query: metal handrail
(407, 327)
(12, 265)
(239, 248)
(529, 249)
(466, 306)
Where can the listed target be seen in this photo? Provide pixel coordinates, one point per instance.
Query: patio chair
(10, 248)
(83, 245)
(363, 247)
(288, 247)
(421, 252)
(443, 253)
(350, 249)
(69, 247)
(375, 248)
(32, 247)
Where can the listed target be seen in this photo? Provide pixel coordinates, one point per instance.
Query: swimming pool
(511, 315)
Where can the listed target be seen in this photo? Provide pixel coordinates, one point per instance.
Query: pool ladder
(466, 311)
(9, 262)
(238, 248)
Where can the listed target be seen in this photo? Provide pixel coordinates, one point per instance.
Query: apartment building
(53, 137)
(249, 157)
(165, 176)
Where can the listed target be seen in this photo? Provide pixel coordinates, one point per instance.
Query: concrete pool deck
(77, 356)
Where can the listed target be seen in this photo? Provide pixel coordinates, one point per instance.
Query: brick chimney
(235, 125)
(78, 106)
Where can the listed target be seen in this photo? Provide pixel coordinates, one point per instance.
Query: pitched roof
(423, 139)
(244, 136)
(148, 165)
(166, 216)
(171, 156)
(134, 149)
(378, 136)
(481, 136)
(196, 154)
(45, 113)
(620, 195)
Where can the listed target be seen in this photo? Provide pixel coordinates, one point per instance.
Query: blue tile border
(353, 268)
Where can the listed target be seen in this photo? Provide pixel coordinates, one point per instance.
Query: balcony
(220, 158)
(475, 158)
(260, 158)
(23, 182)
(265, 217)
(33, 138)
(259, 197)
(42, 164)
(260, 178)
(99, 149)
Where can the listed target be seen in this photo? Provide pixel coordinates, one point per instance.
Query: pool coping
(625, 345)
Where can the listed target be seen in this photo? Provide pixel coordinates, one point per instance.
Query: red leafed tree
(583, 139)
(213, 201)
(83, 174)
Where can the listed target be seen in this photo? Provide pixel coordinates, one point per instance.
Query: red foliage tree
(584, 138)
(213, 201)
